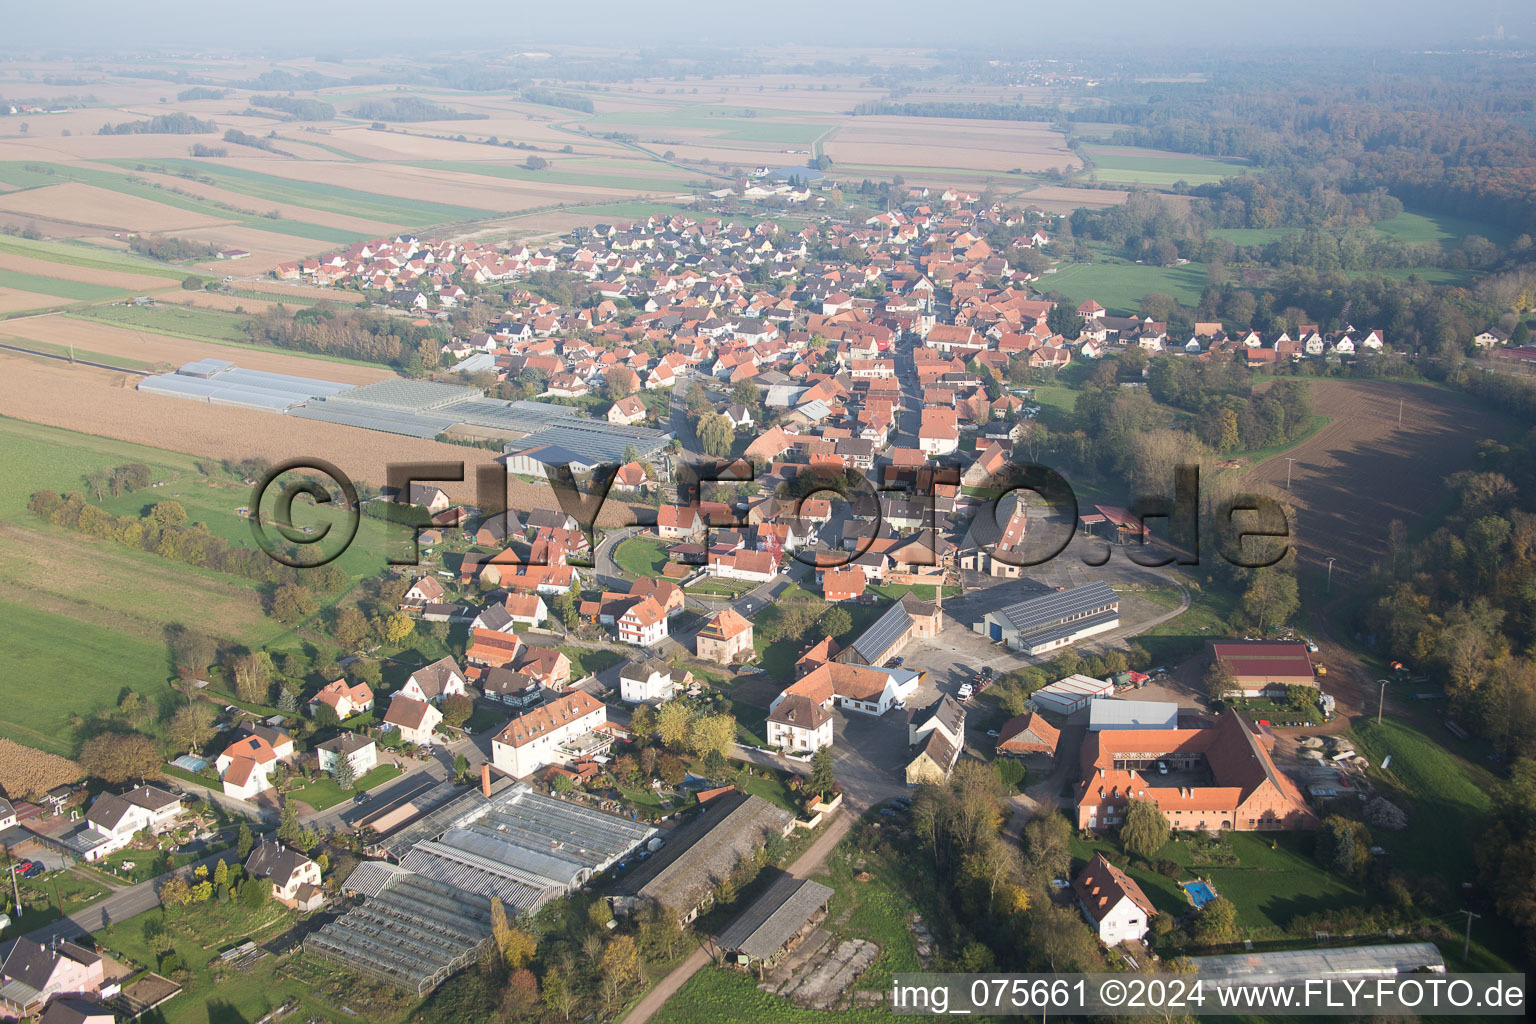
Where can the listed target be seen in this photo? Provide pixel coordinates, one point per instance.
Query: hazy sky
(1023, 26)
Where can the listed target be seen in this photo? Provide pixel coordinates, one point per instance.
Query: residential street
(118, 905)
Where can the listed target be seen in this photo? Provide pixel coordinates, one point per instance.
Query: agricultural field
(1448, 230)
(1362, 471)
(1132, 165)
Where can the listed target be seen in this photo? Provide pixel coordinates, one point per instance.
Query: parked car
(33, 871)
(21, 867)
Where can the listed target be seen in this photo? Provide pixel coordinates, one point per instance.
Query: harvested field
(291, 211)
(87, 205)
(946, 142)
(99, 402)
(13, 301)
(1061, 199)
(1360, 472)
(148, 347)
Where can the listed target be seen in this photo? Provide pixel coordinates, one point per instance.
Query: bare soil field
(88, 275)
(1061, 199)
(12, 301)
(1360, 472)
(99, 402)
(946, 142)
(291, 211)
(149, 347)
(86, 205)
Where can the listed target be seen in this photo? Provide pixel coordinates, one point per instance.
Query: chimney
(485, 781)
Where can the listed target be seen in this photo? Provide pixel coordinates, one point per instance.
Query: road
(119, 905)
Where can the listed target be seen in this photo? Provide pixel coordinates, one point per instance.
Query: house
(295, 878)
(1115, 906)
(939, 432)
(433, 499)
(724, 638)
(551, 668)
(245, 767)
(498, 530)
(844, 583)
(344, 698)
(627, 411)
(7, 814)
(664, 592)
(679, 522)
(751, 566)
(632, 476)
(442, 678)
(415, 719)
(651, 681)
(798, 723)
(506, 686)
(424, 590)
(33, 974)
(525, 609)
(739, 415)
(568, 727)
(938, 733)
(1027, 734)
(643, 623)
(354, 748)
(113, 820)
(492, 649)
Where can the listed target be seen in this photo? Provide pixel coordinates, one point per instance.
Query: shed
(774, 919)
(1071, 694)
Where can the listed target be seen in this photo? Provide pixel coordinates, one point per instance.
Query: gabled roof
(434, 678)
(1101, 886)
(527, 727)
(275, 861)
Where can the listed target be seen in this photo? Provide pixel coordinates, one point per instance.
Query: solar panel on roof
(1049, 609)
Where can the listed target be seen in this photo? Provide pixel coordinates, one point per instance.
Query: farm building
(1263, 668)
(1217, 778)
(220, 382)
(1053, 620)
(774, 922)
(1027, 734)
(701, 854)
(908, 619)
(1071, 694)
(429, 915)
(1132, 714)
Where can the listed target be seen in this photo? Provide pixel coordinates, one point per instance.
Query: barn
(1054, 620)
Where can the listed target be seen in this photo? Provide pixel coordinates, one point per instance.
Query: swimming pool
(1199, 893)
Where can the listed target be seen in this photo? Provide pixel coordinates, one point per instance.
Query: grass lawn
(1159, 169)
(323, 791)
(1186, 634)
(640, 556)
(149, 863)
(751, 723)
(1275, 879)
(1448, 230)
(1119, 286)
(1447, 797)
(586, 661)
(45, 894)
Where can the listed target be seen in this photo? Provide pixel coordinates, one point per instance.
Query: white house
(798, 723)
(416, 719)
(295, 878)
(113, 820)
(345, 699)
(643, 623)
(1112, 902)
(7, 814)
(245, 767)
(567, 727)
(650, 681)
(431, 683)
(358, 750)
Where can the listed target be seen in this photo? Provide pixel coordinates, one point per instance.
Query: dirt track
(1360, 472)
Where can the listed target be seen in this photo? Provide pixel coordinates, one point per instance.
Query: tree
(325, 716)
(535, 163)
(836, 623)
(221, 873)
(288, 828)
(244, 841)
(342, 772)
(1065, 320)
(520, 994)
(1144, 830)
(460, 766)
(191, 726)
(1216, 924)
(673, 723)
(643, 722)
(620, 382)
(621, 960)
(1271, 598)
(351, 628)
(397, 629)
(191, 650)
(1219, 682)
(823, 774)
(715, 765)
(291, 603)
(716, 434)
(116, 757)
(747, 393)
(253, 676)
(560, 994)
(175, 892)
(671, 769)
(1342, 845)
(713, 733)
(254, 893)
(457, 709)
